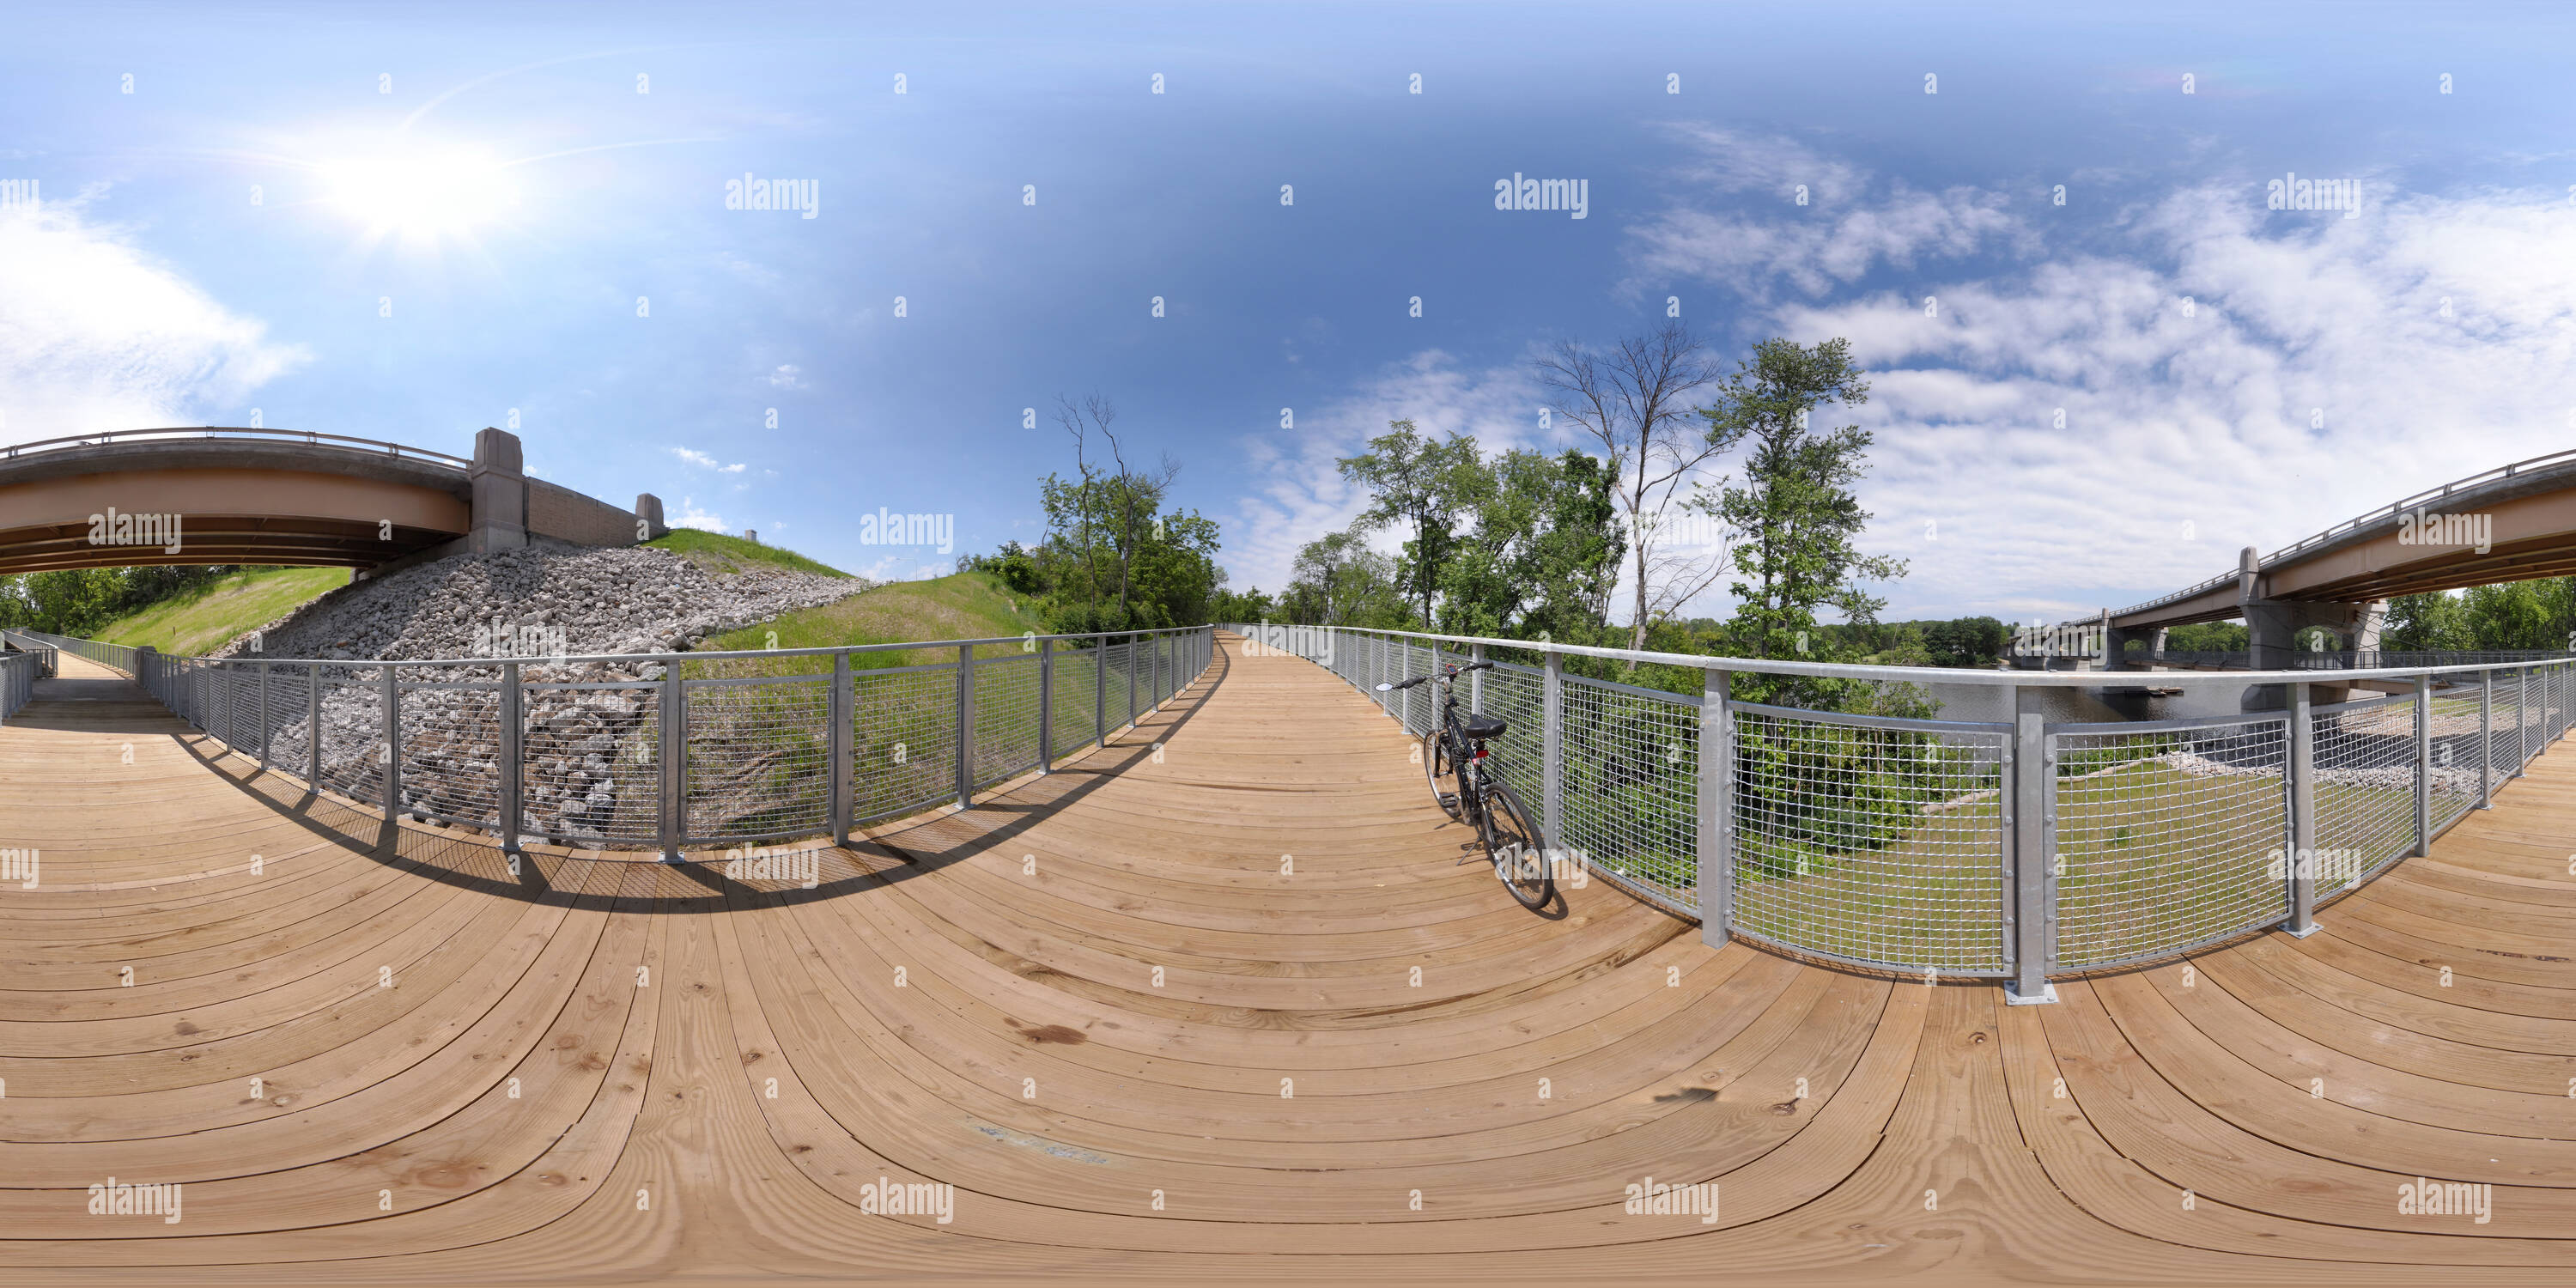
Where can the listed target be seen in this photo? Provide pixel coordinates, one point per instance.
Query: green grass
(966, 605)
(206, 618)
(719, 554)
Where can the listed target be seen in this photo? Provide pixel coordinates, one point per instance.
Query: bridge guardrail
(66, 442)
(2023, 850)
(770, 746)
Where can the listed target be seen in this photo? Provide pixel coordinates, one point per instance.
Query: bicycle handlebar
(1445, 673)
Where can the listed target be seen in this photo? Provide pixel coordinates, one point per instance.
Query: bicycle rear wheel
(1441, 771)
(1512, 842)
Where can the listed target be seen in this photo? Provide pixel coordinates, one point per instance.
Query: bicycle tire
(1441, 770)
(1518, 852)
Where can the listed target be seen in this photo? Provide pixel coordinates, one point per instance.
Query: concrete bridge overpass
(264, 496)
(2512, 523)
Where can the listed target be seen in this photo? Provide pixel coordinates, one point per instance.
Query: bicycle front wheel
(1441, 771)
(1513, 843)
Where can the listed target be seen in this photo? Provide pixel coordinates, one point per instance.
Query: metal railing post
(1046, 705)
(2423, 765)
(1716, 808)
(2301, 866)
(1131, 679)
(1551, 789)
(1476, 681)
(1403, 671)
(2034, 788)
(263, 715)
(2486, 740)
(966, 724)
(313, 727)
(513, 751)
(839, 745)
(393, 742)
(1100, 690)
(672, 758)
(2521, 714)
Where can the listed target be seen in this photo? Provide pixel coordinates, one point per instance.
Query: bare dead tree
(1637, 400)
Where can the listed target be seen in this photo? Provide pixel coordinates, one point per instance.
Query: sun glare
(424, 195)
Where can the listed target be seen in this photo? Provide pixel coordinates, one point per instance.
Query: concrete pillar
(648, 513)
(500, 484)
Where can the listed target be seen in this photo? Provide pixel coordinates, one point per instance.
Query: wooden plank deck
(1139, 1050)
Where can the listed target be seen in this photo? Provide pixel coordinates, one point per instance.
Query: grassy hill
(966, 605)
(719, 554)
(205, 618)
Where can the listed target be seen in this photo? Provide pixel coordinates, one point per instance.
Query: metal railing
(2024, 849)
(666, 750)
(192, 433)
(24, 660)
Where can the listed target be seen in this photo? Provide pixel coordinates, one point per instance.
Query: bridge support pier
(500, 482)
(2272, 629)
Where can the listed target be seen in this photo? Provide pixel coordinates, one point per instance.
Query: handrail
(181, 434)
(1900, 674)
(2355, 524)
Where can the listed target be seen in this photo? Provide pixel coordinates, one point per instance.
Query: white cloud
(96, 334)
(2205, 419)
(704, 461)
(786, 377)
(691, 516)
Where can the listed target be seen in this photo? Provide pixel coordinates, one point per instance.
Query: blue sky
(492, 178)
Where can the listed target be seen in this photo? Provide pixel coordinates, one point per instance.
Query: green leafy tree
(1794, 517)
(1418, 484)
(1543, 554)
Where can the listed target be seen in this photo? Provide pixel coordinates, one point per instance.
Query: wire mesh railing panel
(1518, 695)
(2454, 779)
(760, 757)
(353, 732)
(1630, 795)
(1878, 846)
(1069, 699)
(2168, 838)
(591, 756)
(451, 743)
(903, 739)
(1006, 716)
(1122, 690)
(2364, 789)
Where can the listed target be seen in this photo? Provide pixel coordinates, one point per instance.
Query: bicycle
(1453, 752)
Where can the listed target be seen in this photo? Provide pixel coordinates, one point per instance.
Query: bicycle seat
(1479, 728)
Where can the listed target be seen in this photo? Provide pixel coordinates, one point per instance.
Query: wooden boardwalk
(1238, 1008)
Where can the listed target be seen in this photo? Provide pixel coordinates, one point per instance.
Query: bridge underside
(1142, 1049)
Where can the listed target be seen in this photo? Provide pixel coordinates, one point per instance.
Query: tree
(1543, 556)
(1637, 401)
(1794, 517)
(1339, 581)
(1418, 483)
